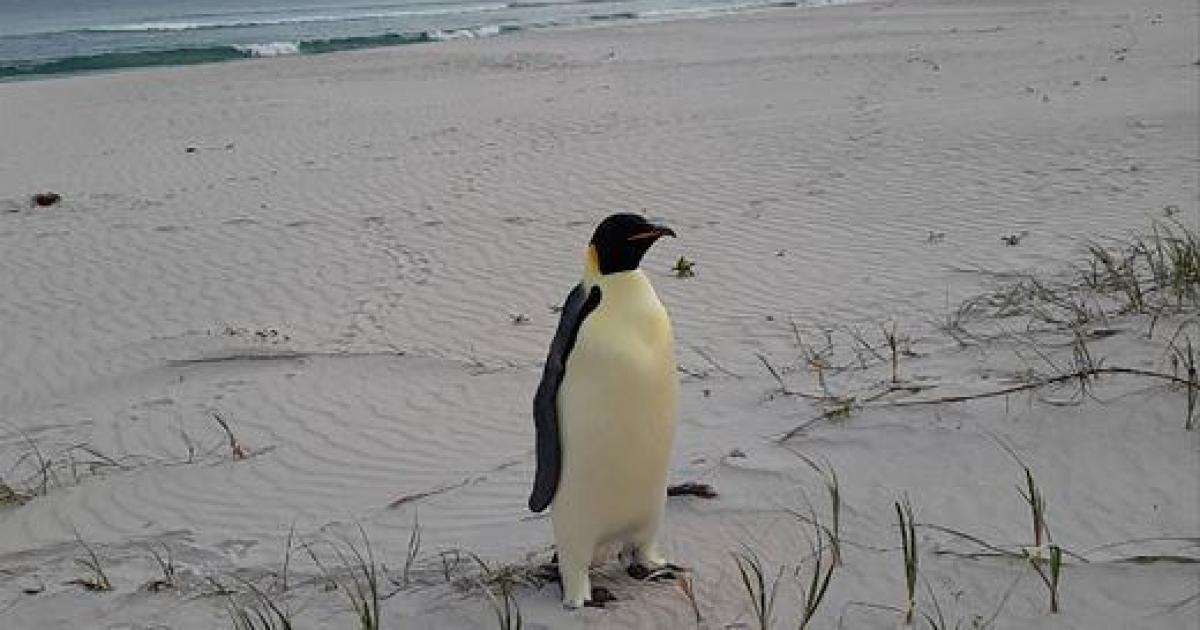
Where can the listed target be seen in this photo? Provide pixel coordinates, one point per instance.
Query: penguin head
(622, 239)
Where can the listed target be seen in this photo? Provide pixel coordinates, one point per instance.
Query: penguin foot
(665, 571)
(548, 573)
(600, 597)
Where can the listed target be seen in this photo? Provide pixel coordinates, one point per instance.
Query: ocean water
(48, 37)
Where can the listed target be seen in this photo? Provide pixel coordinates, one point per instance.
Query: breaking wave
(187, 56)
(248, 22)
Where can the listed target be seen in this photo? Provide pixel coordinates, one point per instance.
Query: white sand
(389, 212)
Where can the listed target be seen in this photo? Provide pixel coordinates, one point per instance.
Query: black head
(621, 240)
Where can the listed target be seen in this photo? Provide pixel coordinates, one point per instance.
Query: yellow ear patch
(591, 261)
(591, 267)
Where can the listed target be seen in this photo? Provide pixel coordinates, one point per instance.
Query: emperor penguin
(605, 410)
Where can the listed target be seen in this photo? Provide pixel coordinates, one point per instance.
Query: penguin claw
(600, 597)
(666, 571)
(661, 573)
(549, 573)
(638, 571)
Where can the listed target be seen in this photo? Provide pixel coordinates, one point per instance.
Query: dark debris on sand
(692, 489)
(46, 199)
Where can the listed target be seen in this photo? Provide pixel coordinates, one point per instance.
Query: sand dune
(351, 259)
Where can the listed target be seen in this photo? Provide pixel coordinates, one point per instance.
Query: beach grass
(1037, 509)
(499, 583)
(1155, 271)
(908, 540)
(261, 612)
(814, 589)
(1051, 575)
(356, 576)
(834, 489)
(236, 450)
(165, 561)
(759, 587)
(413, 551)
(1183, 358)
(505, 606)
(95, 577)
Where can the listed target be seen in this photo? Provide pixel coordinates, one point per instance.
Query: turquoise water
(48, 37)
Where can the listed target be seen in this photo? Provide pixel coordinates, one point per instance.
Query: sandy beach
(351, 260)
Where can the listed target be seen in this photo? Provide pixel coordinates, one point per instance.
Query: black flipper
(545, 402)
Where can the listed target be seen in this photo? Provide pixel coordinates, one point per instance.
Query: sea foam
(270, 49)
(248, 22)
(465, 33)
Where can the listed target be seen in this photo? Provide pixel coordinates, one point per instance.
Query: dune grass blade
(689, 591)
(833, 488)
(818, 583)
(835, 515)
(288, 546)
(166, 565)
(1037, 508)
(236, 450)
(499, 584)
(1151, 273)
(505, 606)
(361, 586)
(414, 548)
(936, 621)
(1187, 357)
(262, 614)
(754, 581)
(1051, 579)
(97, 579)
(908, 540)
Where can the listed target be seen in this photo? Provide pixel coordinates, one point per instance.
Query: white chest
(617, 405)
(627, 342)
